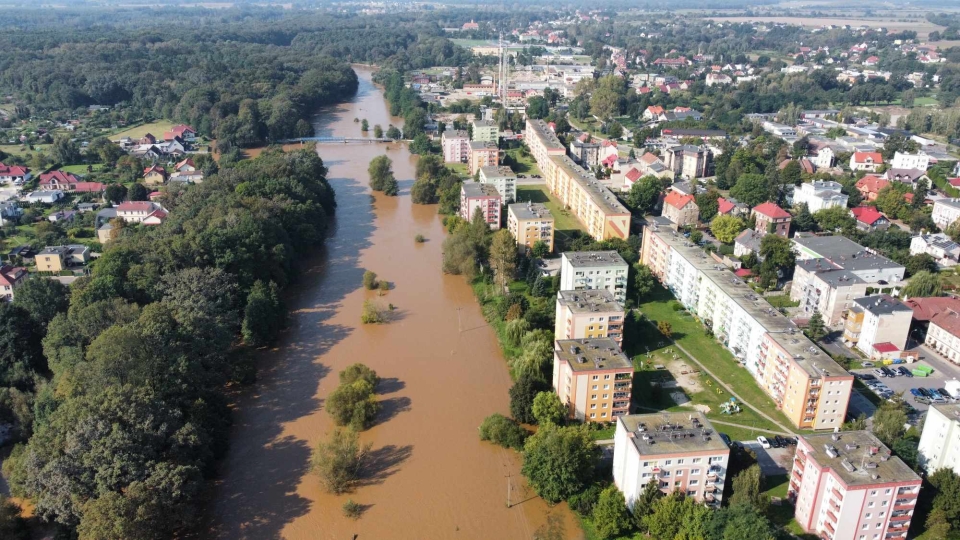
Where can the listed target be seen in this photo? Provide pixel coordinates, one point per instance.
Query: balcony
(836, 493)
(621, 404)
(623, 376)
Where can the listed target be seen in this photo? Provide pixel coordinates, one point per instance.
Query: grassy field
(690, 334)
(924, 102)
(472, 42)
(923, 28)
(80, 169)
(522, 164)
(18, 150)
(564, 222)
(155, 128)
(781, 301)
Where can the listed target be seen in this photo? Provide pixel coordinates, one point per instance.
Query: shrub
(352, 510)
(369, 280)
(353, 404)
(419, 239)
(503, 431)
(372, 313)
(583, 502)
(339, 460)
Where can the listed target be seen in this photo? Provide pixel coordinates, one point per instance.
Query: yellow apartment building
(588, 314)
(530, 223)
(590, 201)
(593, 378)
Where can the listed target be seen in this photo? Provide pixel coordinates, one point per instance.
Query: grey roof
(592, 354)
(857, 457)
(844, 252)
(749, 238)
(954, 203)
(588, 300)
(910, 175)
(940, 240)
(483, 123)
(672, 433)
(497, 171)
(480, 145)
(455, 134)
(829, 272)
(593, 258)
(882, 304)
(530, 210)
(474, 189)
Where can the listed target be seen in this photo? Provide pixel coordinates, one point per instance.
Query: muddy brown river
(430, 476)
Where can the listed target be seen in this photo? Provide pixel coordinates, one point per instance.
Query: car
(904, 371)
(780, 441)
(866, 364)
(880, 373)
(889, 372)
(934, 394)
(764, 443)
(916, 392)
(725, 438)
(867, 377)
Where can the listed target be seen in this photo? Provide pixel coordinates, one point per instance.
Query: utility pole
(508, 491)
(459, 325)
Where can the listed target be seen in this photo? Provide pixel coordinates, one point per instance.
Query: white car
(763, 441)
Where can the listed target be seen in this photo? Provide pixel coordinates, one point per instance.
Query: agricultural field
(155, 128)
(923, 28)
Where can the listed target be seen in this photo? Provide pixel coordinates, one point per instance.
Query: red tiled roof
(724, 206)
(806, 166)
(89, 187)
(649, 158)
(610, 160)
(866, 214)
(136, 206)
(608, 142)
(9, 275)
(655, 109)
(925, 308)
(771, 210)
(862, 157)
(154, 168)
(59, 176)
(13, 170)
(885, 347)
(677, 199)
(955, 182)
(743, 273)
(872, 183)
(948, 320)
(633, 174)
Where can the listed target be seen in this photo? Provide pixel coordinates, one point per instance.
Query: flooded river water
(442, 371)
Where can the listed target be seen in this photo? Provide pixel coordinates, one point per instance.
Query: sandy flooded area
(443, 373)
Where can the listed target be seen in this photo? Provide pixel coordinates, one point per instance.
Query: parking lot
(943, 371)
(772, 461)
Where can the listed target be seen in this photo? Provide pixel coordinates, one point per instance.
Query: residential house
(714, 79)
(154, 175)
(593, 378)
(181, 131)
(771, 219)
(910, 161)
(61, 216)
(820, 195)
(747, 242)
(907, 176)
(875, 321)
(945, 212)
(866, 161)
(585, 151)
(146, 212)
(484, 197)
(456, 147)
(44, 196)
(59, 258)
(586, 270)
(9, 210)
(680, 209)
(870, 186)
(105, 233)
(846, 485)
(939, 246)
(58, 179)
(485, 131)
(688, 161)
(530, 223)
(11, 277)
(589, 314)
(943, 334)
(501, 178)
(823, 159)
(869, 218)
(14, 174)
(940, 440)
(482, 154)
(678, 451)
(185, 171)
(147, 139)
(732, 207)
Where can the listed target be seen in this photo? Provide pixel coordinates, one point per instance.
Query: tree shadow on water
(383, 462)
(390, 385)
(390, 408)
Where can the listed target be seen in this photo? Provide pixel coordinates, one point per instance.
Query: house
(589, 314)
(139, 211)
(688, 161)
(58, 180)
(583, 270)
(455, 144)
(939, 246)
(732, 207)
(678, 451)
(820, 195)
(154, 175)
(871, 61)
(13, 174)
(714, 79)
(182, 132)
(651, 165)
(943, 334)
(680, 209)
(593, 378)
(866, 161)
(771, 219)
(870, 186)
(484, 197)
(59, 258)
(11, 277)
(906, 176)
(869, 218)
(653, 112)
(824, 157)
(89, 187)
(9, 210)
(842, 480)
(105, 233)
(910, 161)
(470, 26)
(45, 196)
(945, 212)
(530, 223)
(747, 242)
(877, 319)
(61, 216)
(585, 151)
(147, 139)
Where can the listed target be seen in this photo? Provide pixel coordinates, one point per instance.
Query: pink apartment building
(483, 196)
(456, 146)
(848, 486)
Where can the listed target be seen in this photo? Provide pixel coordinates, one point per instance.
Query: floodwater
(430, 476)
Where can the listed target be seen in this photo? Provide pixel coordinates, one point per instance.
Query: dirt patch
(687, 377)
(702, 408)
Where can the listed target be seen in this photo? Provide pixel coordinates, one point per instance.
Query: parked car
(889, 372)
(725, 438)
(764, 443)
(880, 373)
(866, 364)
(904, 371)
(780, 441)
(916, 392)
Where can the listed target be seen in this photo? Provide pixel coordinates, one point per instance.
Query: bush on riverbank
(504, 431)
(354, 403)
(338, 460)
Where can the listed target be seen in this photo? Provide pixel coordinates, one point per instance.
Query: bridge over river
(339, 140)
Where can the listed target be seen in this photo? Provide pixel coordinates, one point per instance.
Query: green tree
(42, 299)
(12, 526)
(548, 409)
(815, 327)
(359, 372)
(522, 394)
(615, 131)
(381, 173)
(923, 284)
(610, 515)
(138, 192)
(751, 189)
(836, 219)
(364, 125)
(888, 422)
(106, 150)
(802, 218)
(420, 144)
(503, 257)
(353, 404)
(424, 191)
(748, 488)
(263, 317)
(369, 280)
(645, 503)
(726, 228)
(21, 356)
(115, 193)
(643, 280)
(559, 461)
(537, 108)
(945, 512)
(514, 330)
(665, 328)
(503, 431)
(65, 150)
(644, 194)
(540, 249)
(377, 131)
(921, 262)
(607, 100)
(338, 461)
(709, 205)
(791, 174)
(393, 132)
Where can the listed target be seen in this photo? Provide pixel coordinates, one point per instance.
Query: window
(594, 387)
(695, 471)
(887, 491)
(679, 462)
(676, 484)
(606, 387)
(603, 415)
(595, 377)
(605, 396)
(864, 527)
(696, 460)
(593, 415)
(867, 516)
(606, 377)
(693, 482)
(645, 475)
(691, 493)
(680, 472)
(605, 406)
(647, 463)
(871, 505)
(593, 405)
(884, 503)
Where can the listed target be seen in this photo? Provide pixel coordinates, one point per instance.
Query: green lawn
(924, 102)
(81, 169)
(522, 164)
(781, 301)
(690, 334)
(19, 150)
(155, 128)
(564, 222)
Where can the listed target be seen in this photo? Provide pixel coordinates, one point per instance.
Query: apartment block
(542, 141)
(810, 388)
(771, 219)
(595, 206)
(58, 258)
(688, 161)
(940, 440)
(482, 196)
(589, 314)
(877, 320)
(485, 131)
(585, 270)
(943, 334)
(832, 271)
(456, 146)
(849, 486)
(679, 451)
(501, 178)
(482, 154)
(530, 223)
(593, 378)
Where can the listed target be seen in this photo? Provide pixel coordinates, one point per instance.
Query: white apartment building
(501, 178)
(910, 161)
(878, 319)
(940, 440)
(945, 212)
(848, 486)
(820, 195)
(806, 384)
(679, 451)
(823, 159)
(943, 334)
(582, 270)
